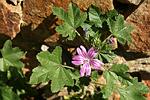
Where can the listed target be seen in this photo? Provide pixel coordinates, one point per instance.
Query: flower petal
(96, 63)
(92, 53)
(78, 57)
(85, 69)
(88, 70)
(83, 48)
(77, 62)
(79, 51)
(82, 51)
(112, 40)
(82, 70)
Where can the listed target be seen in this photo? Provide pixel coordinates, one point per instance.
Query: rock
(34, 12)
(10, 19)
(38, 16)
(135, 2)
(140, 20)
(104, 5)
(137, 65)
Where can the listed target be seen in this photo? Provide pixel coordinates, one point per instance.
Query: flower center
(87, 60)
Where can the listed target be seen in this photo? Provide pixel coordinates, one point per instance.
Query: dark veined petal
(79, 51)
(88, 69)
(83, 49)
(77, 62)
(112, 40)
(78, 57)
(96, 63)
(82, 70)
(85, 70)
(92, 53)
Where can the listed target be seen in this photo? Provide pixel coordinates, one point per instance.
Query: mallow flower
(113, 43)
(86, 60)
(112, 40)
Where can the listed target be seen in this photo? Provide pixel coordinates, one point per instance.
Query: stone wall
(32, 20)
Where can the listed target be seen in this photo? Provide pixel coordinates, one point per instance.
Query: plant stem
(107, 38)
(102, 44)
(69, 67)
(82, 38)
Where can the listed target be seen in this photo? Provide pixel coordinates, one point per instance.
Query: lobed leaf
(133, 92)
(107, 56)
(95, 16)
(73, 18)
(128, 88)
(110, 87)
(10, 57)
(119, 29)
(60, 78)
(52, 69)
(67, 31)
(6, 93)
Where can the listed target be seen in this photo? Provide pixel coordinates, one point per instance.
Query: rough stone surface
(42, 23)
(34, 12)
(104, 5)
(140, 20)
(10, 19)
(38, 15)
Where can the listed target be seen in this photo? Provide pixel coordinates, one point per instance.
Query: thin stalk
(107, 38)
(82, 38)
(69, 67)
(102, 44)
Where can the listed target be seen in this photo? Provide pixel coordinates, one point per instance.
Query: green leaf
(41, 74)
(59, 12)
(119, 68)
(107, 56)
(73, 18)
(133, 92)
(94, 75)
(119, 29)
(67, 31)
(118, 81)
(10, 57)
(6, 93)
(112, 14)
(52, 69)
(75, 75)
(89, 33)
(110, 87)
(95, 16)
(122, 71)
(62, 77)
(45, 57)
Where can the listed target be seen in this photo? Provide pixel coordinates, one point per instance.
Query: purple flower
(113, 43)
(112, 40)
(86, 60)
